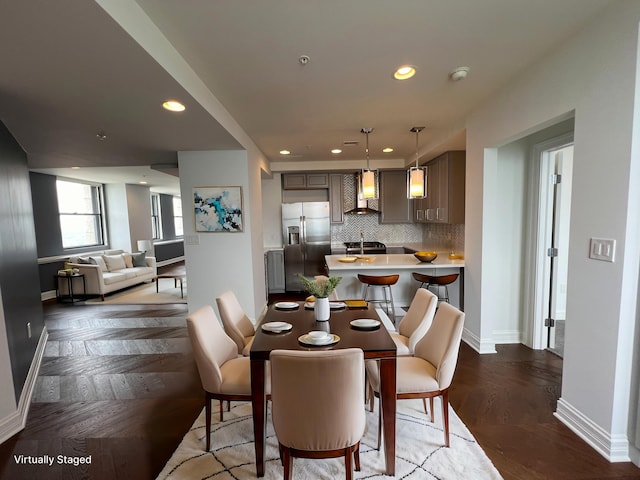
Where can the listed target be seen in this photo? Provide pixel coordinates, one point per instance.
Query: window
(80, 209)
(177, 216)
(156, 224)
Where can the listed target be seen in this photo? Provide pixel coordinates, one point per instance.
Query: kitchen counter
(401, 264)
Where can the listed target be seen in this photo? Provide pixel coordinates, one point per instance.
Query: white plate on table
(287, 305)
(309, 340)
(365, 324)
(332, 305)
(277, 327)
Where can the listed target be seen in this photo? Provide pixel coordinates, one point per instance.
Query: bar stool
(384, 281)
(438, 282)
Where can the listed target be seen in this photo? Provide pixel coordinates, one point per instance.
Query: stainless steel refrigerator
(306, 230)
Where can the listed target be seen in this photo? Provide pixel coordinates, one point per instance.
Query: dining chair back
(235, 321)
(317, 404)
(416, 322)
(223, 374)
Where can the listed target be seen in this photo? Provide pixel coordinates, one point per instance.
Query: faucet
(361, 242)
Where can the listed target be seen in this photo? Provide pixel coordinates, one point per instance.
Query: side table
(70, 279)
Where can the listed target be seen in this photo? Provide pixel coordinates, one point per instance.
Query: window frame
(156, 217)
(99, 218)
(177, 200)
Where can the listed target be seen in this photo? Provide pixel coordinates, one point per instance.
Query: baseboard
(15, 422)
(480, 346)
(507, 336)
(615, 448)
(48, 295)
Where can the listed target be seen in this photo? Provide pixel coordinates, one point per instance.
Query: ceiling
(71, 73)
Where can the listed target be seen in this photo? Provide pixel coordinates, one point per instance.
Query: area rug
(144, 294)
(420, 453)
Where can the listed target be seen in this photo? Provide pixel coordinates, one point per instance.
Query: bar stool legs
(439, 282)
(384, 281)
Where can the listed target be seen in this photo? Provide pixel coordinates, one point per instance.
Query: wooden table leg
(388, 405)
(259, 405)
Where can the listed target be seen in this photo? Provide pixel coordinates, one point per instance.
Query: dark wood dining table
(376, 344)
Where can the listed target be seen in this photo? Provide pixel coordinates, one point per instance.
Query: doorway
(555, 162)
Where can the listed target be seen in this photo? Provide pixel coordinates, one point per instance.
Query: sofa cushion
(114, 262)
(128, 261)
(100, 262)
(140, 271)
(138, 259)
(110, 278)
(127, 272)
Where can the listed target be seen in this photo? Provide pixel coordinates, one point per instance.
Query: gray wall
(19, 278)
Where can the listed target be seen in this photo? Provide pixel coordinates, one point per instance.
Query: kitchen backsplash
(436, 236)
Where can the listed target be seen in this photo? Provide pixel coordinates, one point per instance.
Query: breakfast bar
(389, 264)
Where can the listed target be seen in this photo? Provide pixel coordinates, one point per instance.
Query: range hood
(362, 206)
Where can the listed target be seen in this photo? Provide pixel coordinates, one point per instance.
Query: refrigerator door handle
(303, 237)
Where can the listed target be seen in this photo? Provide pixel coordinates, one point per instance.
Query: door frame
(536, 298)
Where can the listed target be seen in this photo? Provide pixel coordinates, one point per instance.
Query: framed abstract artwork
(218, 209)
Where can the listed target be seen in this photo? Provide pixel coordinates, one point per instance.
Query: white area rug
(145, 294)
(420, 453)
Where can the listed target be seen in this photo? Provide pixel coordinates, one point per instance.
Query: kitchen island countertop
(397, 261)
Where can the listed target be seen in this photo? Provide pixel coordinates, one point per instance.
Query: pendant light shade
(417, 176)
(368, 185)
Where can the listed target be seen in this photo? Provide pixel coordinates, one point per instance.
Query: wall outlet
(603, 249)
(29, 329)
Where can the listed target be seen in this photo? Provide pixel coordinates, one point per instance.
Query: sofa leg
(102, 297)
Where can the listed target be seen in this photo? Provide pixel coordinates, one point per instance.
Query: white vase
(321, 309)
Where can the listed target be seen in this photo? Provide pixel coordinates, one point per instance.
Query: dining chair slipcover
(317, 404)
(429, 373)
(236, 323)
(224, 375)
(416, 322)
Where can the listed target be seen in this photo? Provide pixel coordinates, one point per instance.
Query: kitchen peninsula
(390, 264)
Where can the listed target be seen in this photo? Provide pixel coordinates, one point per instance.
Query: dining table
(351, 328)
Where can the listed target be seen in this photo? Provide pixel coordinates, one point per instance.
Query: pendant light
(368, 184)
(417, 176)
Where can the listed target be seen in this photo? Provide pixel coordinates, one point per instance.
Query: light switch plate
(603, 249)
(192, 239)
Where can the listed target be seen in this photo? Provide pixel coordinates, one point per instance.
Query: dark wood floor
(119, 383)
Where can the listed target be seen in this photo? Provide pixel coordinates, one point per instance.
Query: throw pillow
(128, 261)
(100, 262)
(84, 260)
(114, 262)
(138, 259)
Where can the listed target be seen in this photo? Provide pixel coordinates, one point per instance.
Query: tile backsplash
(436, 236)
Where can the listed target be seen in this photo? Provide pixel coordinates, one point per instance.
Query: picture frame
(218, 209)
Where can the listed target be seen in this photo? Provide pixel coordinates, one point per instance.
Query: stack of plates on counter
(277, 327)
(365, 324)
(286, 305)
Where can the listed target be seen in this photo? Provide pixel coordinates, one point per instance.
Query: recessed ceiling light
(142, 182)
(387, 150)
(459, 73)
(404, 72)
(173, 106)
(75, 168)
(336, 151)
(285, 152)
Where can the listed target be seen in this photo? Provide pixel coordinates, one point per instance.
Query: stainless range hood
(362, 206)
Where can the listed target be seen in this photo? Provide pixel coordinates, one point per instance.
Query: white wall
(220, 261)
(117, 216)
(594, 73)
(139, 207)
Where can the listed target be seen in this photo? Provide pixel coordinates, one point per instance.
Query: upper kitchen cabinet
(395, 207)
(302, 181)
(336, 197)
(445, 190)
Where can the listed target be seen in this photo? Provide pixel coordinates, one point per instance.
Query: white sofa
(113, 270)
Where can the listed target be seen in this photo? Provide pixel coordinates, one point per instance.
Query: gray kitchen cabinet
(305, 181)
(275, 271)
(395, 207)
(444, 202)
(336, 198)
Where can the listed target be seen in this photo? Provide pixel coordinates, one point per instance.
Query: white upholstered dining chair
(429, 373)
(416, 322)
(224, 375)
(235, 321)
(317, 404)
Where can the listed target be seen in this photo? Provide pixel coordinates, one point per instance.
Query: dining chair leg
(356, 456)
(371, 397)
(207, 414)
(288, 463)
(221, 402)
(347, 463)
(379, 425)
(445, 416)
(424, 404)
(433, 413)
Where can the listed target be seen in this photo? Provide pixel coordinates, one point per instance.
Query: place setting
(318, 338)
(287, 305)
(276, 327)
(365, 324)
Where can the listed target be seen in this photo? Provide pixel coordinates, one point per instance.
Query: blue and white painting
(218, 209)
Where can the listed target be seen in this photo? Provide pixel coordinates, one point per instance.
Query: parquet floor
(119, 383)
